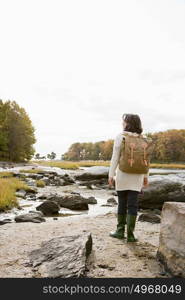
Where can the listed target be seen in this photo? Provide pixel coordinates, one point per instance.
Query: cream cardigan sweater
(123, 180)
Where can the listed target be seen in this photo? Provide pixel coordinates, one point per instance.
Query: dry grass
(93, 163)
(89, 163)
(8, 187)
(6, 174)
(40, 183)
(73, 164)
(168, 166)
(32, 171)
(60, 164)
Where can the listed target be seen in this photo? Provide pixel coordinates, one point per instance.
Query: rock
(91, 200)
(51, 176)
(105, 186)
(108, 205)
(159, 192)
(46, 180)
(111, 200)
(5, 221)
(149, 217)
(114, 193)
(43, 196)
(35, 176)
(63, 257)
(157, 211)
(75, 193)
(48, 208)
(39, 213)
(59, 180)
(50, 196)
(21, 194)
(95, 172)
(171, 251)
(68, 180)
(74, 202)
(31, 198)
(31, 191)
(31, 182)
(93, 182)
(30, 217)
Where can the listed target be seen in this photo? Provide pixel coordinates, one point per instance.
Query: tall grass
(8, 187)
(6, 174)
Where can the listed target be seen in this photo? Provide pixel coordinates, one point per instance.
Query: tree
(49, 156)
(37, 156)
(53, 155)
(169, 147)
(17, 133)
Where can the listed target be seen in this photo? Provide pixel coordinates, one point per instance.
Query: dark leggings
(127, 199)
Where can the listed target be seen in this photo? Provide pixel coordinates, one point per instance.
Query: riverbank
(110, 257)
(74, 165)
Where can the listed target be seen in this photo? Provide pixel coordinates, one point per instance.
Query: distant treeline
(169, 147)
(17, 138)
(16, 133)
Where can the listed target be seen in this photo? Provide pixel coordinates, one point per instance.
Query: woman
(127, 185)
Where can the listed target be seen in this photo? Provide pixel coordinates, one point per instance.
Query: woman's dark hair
(133, 123)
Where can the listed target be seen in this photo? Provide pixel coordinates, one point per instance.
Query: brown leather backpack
(135, 153)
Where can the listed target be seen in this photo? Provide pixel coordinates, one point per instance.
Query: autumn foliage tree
(16, 133)
(169, 147)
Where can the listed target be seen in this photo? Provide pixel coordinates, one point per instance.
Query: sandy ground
(110, 257)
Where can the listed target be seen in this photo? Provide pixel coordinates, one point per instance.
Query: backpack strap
(131, 159)
(144, 152)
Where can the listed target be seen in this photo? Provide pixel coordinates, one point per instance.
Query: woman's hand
(145, 182)
(111, 181)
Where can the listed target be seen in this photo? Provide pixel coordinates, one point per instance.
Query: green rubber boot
(119, 233)
(131, 221)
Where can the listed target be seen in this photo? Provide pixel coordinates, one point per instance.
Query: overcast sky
(77, 65)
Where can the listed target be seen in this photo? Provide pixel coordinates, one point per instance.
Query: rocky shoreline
(110, 257)
(76, 203)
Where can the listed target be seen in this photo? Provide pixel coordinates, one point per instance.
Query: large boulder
(96, 172)
(160, 191)
(74, 202)
(48, 208)
(35, 217)
(171, 251)
(64, 256)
